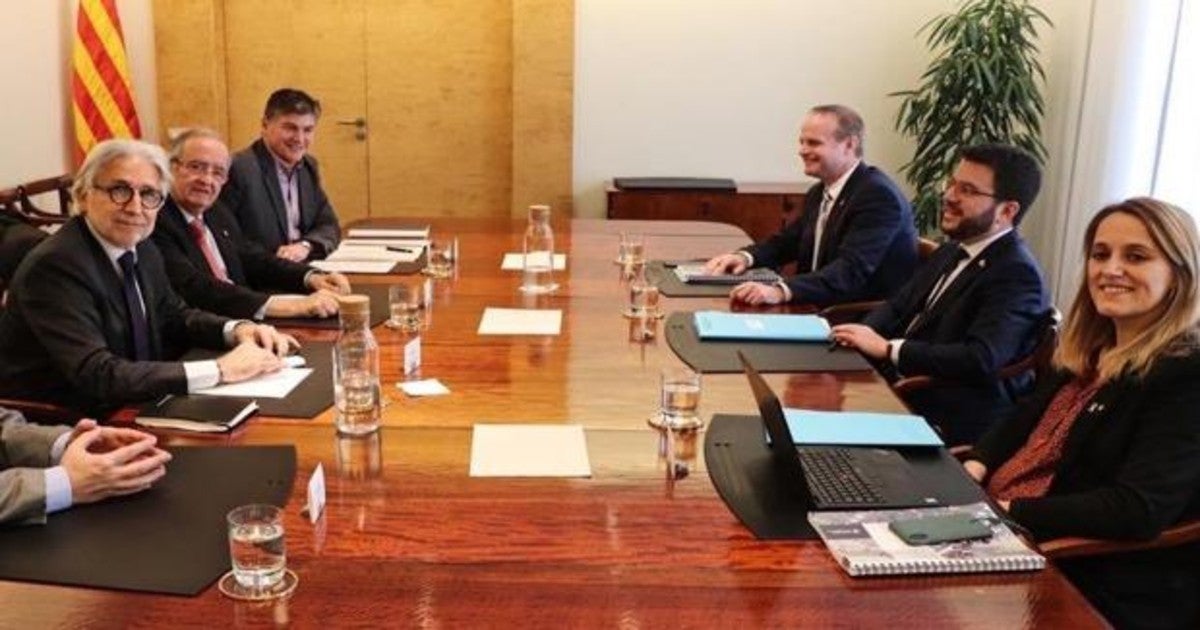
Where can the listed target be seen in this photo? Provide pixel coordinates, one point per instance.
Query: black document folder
(205, 414)
(170, 539)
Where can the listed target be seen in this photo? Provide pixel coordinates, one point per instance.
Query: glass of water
(256, 548)
(404, 307)
(632, 249)
(440, 263)
(679, 405)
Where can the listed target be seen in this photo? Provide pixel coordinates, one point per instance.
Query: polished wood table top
(409, 539)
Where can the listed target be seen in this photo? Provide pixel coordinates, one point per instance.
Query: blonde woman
(1109, 445)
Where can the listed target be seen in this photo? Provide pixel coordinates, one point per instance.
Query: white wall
(36, 127)
(717, 88)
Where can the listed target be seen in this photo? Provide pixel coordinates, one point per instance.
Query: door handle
(359, 124)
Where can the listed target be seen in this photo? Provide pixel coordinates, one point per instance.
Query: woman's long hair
(1089, 340)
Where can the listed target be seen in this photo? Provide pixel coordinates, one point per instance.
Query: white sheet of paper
(354, 266)
(529, 450)
(275, 385)
(412, 356)
(386, 242)
(374, 252)
(316, 493)
(520, 321)
(389, 232)
(427, 387)
(516, 262)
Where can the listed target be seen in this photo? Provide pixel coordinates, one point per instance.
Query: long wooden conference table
(408, 539)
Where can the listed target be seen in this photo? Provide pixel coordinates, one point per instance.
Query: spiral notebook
(864, 545)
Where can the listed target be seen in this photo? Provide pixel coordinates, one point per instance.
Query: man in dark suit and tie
(974, 306)
(855, 239)
(274, 188)
(91, 320)
(45, 469)
(212, 265)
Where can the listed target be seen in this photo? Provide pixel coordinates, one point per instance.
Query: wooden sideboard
(758, 208)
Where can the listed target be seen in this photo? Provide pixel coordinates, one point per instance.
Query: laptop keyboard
(833, 480)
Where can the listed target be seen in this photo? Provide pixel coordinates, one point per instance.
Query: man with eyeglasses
(274, 188)
(91, 321)
(974, 306)
(212, 265)
(855, 239)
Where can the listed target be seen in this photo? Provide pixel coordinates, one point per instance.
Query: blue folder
(854, 428)
(762, 327)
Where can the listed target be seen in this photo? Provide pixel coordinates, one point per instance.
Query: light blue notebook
(852, 428)
(764, 327)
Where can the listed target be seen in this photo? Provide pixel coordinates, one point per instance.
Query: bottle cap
(354, 304)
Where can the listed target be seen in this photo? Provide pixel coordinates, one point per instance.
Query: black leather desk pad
(380, 311)
(170, 539)
(761, 496)
(311, 397)
(767, 356)
(670, 285)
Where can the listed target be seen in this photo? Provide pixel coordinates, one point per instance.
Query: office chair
(60, 186)
(1037, 361)
(853, 312)
(1075, 547)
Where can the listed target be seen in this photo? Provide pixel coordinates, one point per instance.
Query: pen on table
(833, 345)
(402, 250)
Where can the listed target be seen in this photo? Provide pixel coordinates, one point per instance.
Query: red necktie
(214, 264)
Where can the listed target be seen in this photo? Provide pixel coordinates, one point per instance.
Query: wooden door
(316, 46)
(439, 102)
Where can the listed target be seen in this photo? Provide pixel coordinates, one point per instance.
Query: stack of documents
(761, 327)
(859, 428)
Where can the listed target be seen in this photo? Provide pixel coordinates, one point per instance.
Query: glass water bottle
(356, 393)
(538, 261)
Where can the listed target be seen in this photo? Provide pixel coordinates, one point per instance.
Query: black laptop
(836, 477)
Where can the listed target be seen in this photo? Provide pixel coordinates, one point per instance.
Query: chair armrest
(914, 383)
(42, 413)
(848, 312)
(1073, 547)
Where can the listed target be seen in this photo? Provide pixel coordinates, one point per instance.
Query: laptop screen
(783, 447)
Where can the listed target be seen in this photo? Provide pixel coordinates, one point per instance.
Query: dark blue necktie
(138, 327)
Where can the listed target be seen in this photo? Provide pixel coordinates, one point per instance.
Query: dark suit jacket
(985, 319)
(869, 243)
(1130, 467)
(64, 335)
(252, 194)
(255, 272)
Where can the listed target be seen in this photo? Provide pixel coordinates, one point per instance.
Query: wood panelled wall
(468, 102)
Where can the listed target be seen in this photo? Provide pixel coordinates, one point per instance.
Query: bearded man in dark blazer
(976, 305)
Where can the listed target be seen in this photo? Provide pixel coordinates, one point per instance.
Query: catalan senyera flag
(101, 92)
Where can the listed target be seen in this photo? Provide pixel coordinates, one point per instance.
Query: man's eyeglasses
(122, 193)
(196, 167)
(965, 189)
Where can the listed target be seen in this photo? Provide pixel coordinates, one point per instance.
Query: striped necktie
(822, 219)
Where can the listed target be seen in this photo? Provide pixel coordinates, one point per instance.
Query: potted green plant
(984, 85)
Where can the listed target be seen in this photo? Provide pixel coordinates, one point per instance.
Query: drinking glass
(440, 263)
(679, 405)
(631, 249)
(404, 306)
(257, 548)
